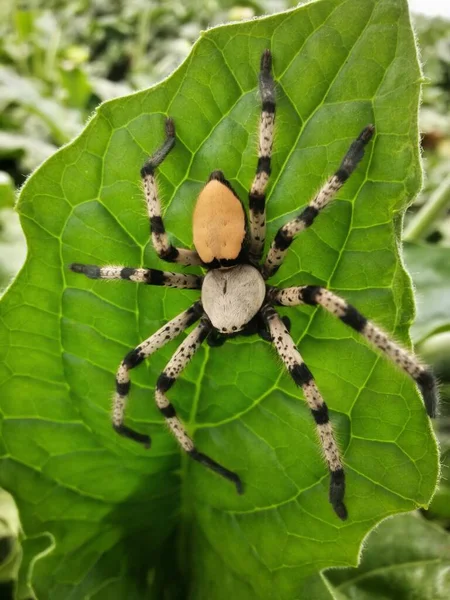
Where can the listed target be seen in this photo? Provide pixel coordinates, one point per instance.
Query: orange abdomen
(218, 223)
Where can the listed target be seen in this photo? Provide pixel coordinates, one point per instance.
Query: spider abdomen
(232, 297)
(219, 222)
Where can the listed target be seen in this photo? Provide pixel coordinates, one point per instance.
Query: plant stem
(429, 213)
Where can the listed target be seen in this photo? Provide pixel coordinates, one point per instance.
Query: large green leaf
(123, 522)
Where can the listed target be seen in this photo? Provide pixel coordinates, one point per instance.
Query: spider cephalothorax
(235, 298)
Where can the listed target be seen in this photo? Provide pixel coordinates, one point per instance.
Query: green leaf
(406, 557)
(124, 522)
(436, 351)
(6, 190)
(9, 533)
(440, 505)
(12, 246)
(430, 269)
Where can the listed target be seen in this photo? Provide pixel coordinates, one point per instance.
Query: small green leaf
(430, 269)
(124, 522)
(406, 557)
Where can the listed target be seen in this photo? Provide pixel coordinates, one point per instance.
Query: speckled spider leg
(303, 377)
(177, 363)
(286, 233)
(136, 356)
(315, 295)
(161, 243)
(148, 276)
(257, 198)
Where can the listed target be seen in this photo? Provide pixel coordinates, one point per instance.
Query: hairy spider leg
(177, 363)
(337, 306)
(136, 356)
(257, 198)
(163, 247)
(286, 233)
(147, 276)
(303, 377)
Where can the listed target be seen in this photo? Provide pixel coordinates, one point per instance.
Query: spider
(235, 298)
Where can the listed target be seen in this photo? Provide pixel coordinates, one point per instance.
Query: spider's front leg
(166, 380)
(135, 357)
(137, 275)
(303, 377)
(257, 198)
(285, 235)
(337, 306)
(163, 247)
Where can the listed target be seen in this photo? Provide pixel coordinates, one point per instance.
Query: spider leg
(303, 377)
(148, 276)
(215, 339)
(287, 232)
(166, 380)
(315, 295)
(163, 247)
(135, 357)
(257, 198)
(256, 326)
(259, 327)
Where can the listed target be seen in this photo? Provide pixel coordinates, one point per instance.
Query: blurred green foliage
(434, 38)
(428, 233)
(58, 60)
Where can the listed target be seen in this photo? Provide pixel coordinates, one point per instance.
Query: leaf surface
(430, 269)
(121, 521)
(406, 557)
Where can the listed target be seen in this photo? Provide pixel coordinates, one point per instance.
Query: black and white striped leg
(177, 363)
(286, 233)
(147, 276)
(136, 356)
(315, 295)
(303, 377)
(163, 247)
(257, 198)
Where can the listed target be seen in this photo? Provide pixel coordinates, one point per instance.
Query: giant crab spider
(235, 298)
